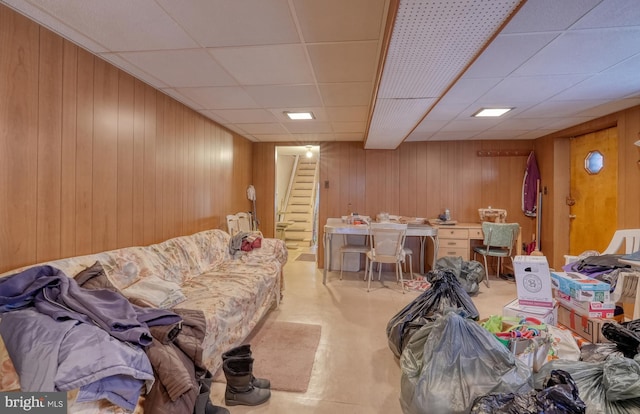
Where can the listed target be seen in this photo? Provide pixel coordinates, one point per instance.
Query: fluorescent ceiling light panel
(299, 115)
(488, 112)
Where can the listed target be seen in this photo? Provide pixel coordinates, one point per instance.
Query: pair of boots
(242, 387)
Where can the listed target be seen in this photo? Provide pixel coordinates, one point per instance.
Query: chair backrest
(245, 221)
(629, 237)
(387, 240)
(233, 225)
(500, 234)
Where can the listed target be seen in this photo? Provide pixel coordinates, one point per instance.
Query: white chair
(233, 225)
(353, 248)
(499, 239)
(630, 238)
(245, 221)
(386, 245)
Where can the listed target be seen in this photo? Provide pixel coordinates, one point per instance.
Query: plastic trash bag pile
(446, 292)
(469, 273)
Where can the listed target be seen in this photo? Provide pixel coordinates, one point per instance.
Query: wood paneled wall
(92, 159)
(419, 179)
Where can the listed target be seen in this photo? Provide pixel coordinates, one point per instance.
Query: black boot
(244, 351)
(240, 390)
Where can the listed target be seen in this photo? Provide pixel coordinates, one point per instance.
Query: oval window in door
(594, 162)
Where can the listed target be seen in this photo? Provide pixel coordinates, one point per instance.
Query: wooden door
(594, 191)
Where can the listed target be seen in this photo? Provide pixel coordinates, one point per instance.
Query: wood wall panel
(68, 150)
(49, 159)
(92, 159)
(18, 137)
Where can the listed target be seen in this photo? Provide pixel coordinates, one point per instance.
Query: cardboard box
(604, 310)
(581, 287)
(588, 328)
(543, 314)
(533, 281)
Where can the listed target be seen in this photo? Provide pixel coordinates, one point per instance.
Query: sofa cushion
(155, 292)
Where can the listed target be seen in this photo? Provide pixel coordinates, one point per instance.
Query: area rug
(418, 283)
(306, 257)
(283, 353)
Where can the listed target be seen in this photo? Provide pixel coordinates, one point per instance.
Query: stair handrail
(285, 200)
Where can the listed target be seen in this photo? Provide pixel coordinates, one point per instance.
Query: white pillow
(155, 291)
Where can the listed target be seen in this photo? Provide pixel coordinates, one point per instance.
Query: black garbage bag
(460, 362)
(559, 396)
(625, 335)
(446, 292)
(598, 352)
(610, 387)
(469, 273)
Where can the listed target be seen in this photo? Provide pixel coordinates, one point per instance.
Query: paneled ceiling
(377, 71)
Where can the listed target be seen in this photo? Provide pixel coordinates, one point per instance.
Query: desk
(458, 240)
(335, 226)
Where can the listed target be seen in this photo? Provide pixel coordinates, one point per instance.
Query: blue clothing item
(64, 355)
(55, 294)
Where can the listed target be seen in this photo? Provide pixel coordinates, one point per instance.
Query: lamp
(309, 154)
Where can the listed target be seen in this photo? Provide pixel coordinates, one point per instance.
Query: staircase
(299, 209)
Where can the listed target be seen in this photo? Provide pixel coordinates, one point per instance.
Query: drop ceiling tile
(471, 124)
(529, 88)
(519, 123)
(340, 20)
(349, 126)
(222, 97)
(429, 125)
(613, 12)
(417, 136)
(468, 90)
(284, 96)
(548, 15)
(610, 107)
(553, 108)
(348, 137)
(610, 84)
(317, 137)
(312, 126)
(393, 120)
(255, 129)
(265, 65)
(274, 137)
(215, 23)
(506, 53)
(494, 133)
(344, 62)
(246, 116)
(181, 68)
(121, 25)
(346, 94)
(319, 113)
(347, 113)
(584, 51)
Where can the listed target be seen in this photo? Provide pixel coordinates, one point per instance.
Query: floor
(355, 372)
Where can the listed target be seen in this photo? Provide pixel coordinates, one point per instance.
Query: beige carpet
(284, 353)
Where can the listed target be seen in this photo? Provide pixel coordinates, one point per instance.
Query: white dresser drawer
(453, 251)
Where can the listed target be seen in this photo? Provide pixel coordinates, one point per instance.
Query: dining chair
(233, 225)
(245, 221)
(499, 239)
(386, 245)
(360, 249)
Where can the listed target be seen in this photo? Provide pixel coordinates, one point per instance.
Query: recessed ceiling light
(299, 115)
(484, 112)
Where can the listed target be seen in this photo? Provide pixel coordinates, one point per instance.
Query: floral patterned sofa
(234, 291)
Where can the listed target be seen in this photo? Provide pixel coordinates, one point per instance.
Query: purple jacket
(55, 294)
